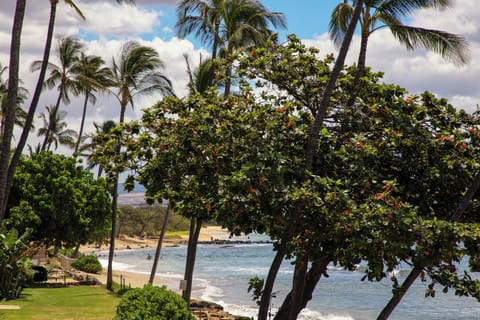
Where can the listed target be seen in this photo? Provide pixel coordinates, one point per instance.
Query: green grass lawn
(68, 303)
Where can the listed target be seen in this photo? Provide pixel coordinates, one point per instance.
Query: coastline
(137, 279)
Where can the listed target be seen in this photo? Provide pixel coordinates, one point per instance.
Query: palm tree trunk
(111, 250)
(159, 246)
(325, 102)
(12, 95)
(195, 226)
(82, 123)
(362, 56)
(413, 275)
(33, 104)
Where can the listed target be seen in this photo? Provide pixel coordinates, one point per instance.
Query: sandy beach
(138, 280)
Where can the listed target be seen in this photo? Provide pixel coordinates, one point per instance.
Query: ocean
(222, 272)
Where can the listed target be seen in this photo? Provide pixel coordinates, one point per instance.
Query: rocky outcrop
(205, 310)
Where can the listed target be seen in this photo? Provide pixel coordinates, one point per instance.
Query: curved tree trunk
(159, 246)
(413, 275)
(12, 95)
(111, 251)
(313, 276)
(268, 287)
(82, 123)
(325, 102)
(33, 104)
(195, 226)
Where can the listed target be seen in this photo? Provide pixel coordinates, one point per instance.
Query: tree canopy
(386, 176)
(61, 202)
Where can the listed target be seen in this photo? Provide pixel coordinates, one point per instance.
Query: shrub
(88, 264)
(152, 303)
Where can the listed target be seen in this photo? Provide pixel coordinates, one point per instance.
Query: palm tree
(135, 73)
(10, 110)
(200, 79)
(6, 178)
(62, 75)
(89, 144)
(227, 25)
(379, 14)
(55, 129)
(22, 95)
(91, 76)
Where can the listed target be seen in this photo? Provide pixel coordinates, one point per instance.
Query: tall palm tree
(228, 25)
(10, 110)
(6, 178)
(55, 129)
(91, 76)
(62, 75)
(136, 72)
(379, 14)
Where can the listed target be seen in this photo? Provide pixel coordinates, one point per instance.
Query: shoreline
(138, 279)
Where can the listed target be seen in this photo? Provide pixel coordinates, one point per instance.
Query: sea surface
(222, 273)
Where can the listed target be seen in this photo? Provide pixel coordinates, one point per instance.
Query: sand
(137, 280)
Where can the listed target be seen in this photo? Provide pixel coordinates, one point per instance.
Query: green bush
(152, 303)
(88, 264)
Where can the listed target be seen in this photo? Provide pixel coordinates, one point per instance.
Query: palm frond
(450, 46)
(341, 16)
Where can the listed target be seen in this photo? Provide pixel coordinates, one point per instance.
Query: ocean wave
(116, 265)
(308, 314)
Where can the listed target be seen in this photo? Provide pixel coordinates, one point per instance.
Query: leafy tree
(55, 129)
(377, 15)
(243, 163)
(62, 203)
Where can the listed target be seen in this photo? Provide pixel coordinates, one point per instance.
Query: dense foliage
(148, 220)
(61, 202)
(152, 303)
(88, 264)
(387, 174)
(14, 263)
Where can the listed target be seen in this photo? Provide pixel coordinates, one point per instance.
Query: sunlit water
(222, 273)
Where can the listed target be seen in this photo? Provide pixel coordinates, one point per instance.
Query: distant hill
(133, 199)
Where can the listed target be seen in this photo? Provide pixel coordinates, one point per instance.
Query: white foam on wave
(308, 314)
(116, 265)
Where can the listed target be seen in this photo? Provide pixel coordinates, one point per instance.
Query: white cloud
(419, 70)
(109, 24)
